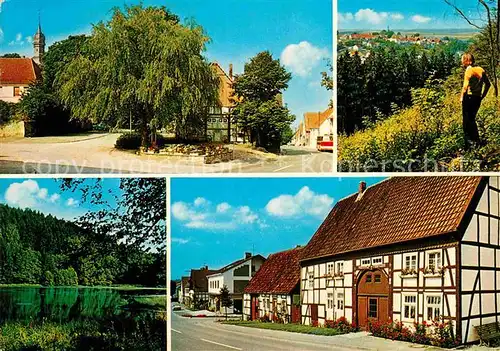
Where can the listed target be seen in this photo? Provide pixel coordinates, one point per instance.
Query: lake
(63, 304)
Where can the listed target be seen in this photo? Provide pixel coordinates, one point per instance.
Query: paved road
(202, 334)
(95, 153)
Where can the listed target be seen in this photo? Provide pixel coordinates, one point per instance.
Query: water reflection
(63, 304)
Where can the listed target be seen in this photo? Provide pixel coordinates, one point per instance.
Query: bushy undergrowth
(8, 111)
(436, 333)
(425, 137)
(127, 331)
(132, 141)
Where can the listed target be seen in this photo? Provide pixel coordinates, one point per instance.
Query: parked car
(325, 146)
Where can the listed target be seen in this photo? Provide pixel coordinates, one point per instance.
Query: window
(377, 278)
(329, 269)
(411, 262)
(310, 278)
(340, 267)
(434, 260)
(268, 303)
(340, 301)
(409, 307)
(17, 91)
(368, 278)
(365, 262)
(433, 307)
(377, 260)
(372, 308)
(330, 301)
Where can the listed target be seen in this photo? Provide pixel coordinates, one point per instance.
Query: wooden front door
(372, 298)
(255, 308)
(314, 314)
(295, 313)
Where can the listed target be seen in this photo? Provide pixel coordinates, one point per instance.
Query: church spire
(39, 43)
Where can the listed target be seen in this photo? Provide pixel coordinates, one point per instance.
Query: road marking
(172, 329)
(216, 343)
(282, 168)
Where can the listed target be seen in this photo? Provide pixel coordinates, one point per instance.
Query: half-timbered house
(274, 291)
(408, 249)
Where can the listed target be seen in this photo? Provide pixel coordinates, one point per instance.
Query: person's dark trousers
(470, 107)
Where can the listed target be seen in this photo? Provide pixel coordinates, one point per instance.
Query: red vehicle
(326, 145)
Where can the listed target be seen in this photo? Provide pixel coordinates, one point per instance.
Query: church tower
(39, 45)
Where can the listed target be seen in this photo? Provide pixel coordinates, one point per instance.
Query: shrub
(439, 334)
(128, 141)
(7, 111)
(342, 325)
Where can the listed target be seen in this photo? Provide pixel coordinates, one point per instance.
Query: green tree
(225, 298)
(143, 64)
(327, 80)
(11, 55)
(259, 109)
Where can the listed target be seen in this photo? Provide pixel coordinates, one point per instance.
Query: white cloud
(301, 58)
(420, 19)
(18, 41)
(54, 198)
(370, 16)
(1, 3)
(72, 202)
(245, 215)
(304, 202)
(345, 17)
(29, 39)
(200, 201)
(180, 241)
(223, 207)
(27, 194)
(210, 217)
(397, 16)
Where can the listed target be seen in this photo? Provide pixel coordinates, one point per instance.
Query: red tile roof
(22, 71)
(393, 211)
(280, 274)
(313, 120)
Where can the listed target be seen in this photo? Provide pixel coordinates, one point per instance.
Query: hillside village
(413, 250)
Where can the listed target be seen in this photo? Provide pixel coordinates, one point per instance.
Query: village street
(204, 334)
(94, 153)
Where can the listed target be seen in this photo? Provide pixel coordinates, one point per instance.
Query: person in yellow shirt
(475, 88)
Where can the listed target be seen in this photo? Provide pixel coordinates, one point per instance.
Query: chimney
(231, 70)
(248, 255)
(361, 190)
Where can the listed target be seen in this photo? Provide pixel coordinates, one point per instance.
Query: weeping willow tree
(142, 65)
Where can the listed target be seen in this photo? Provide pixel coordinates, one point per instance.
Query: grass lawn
(158, 302)
(293, 328)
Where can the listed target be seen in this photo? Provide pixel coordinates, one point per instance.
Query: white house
(16, 74)
(317, 127)
(236, 277)
(408, 249)
(274, 292)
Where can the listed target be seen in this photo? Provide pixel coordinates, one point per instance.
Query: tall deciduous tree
(142, 63)
(259, 109)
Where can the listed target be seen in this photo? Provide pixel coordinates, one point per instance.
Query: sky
(397, 14)
(45, 195)
(214, 221)
(299, 32)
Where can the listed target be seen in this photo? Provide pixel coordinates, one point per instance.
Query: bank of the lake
(82, 318)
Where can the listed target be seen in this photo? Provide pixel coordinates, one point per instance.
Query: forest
(371, 88)
(403, 112)
(41, 249)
